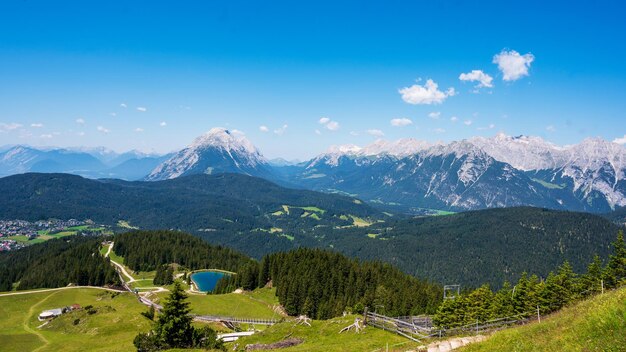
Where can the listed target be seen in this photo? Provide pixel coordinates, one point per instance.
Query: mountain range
(88, 162)
(406, 175)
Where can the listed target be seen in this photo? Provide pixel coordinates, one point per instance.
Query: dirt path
(28, 329)
(57, 289)
(119, 266)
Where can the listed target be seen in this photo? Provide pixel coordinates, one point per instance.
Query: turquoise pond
(206, 280)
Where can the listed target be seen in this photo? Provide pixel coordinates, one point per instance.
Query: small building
(49, 314)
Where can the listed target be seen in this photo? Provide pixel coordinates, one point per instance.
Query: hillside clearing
(112, 327)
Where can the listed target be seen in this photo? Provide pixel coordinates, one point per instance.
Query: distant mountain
(87, 162)
(133, 169)
(478, 173)
(217, 151)
(283, 162)
(20, 159)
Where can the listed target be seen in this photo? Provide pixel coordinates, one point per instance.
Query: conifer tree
(174, 322)
(615, 271)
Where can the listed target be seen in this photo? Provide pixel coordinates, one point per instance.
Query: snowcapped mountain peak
(218, 150)
(344, 149)
(226, 139)
(522, 152)
(399, 148)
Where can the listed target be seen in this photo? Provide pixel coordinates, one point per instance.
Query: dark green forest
(324, 284)
(57, 263)
(153, 250)
(486, 246)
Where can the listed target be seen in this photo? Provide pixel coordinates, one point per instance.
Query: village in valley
(16, 234)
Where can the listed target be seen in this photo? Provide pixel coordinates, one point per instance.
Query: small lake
(206, 280)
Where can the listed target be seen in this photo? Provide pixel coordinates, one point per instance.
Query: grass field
(112, 328)
(256, 305)
(597, 324)
(324, 336)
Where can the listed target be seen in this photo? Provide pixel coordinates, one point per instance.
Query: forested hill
(493, 245)
(222, 205)
(57, 263)
(146, 250)
(323, 284)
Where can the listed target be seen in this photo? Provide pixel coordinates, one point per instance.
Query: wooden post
(602, 284)
(365, 316)
(538, 316)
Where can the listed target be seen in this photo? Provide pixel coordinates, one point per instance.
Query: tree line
(324, 284)
(150, 250)
(57, 263)
(531, 293)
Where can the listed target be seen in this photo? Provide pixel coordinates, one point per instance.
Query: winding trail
(119, 266)
(57, 289)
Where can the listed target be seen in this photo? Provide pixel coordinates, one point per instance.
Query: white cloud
(354, 133)
(281, 130)
(332, 126)
(142, 109)
(113, 114)
(375, 133)
(80, 121)
(620, 140)
(318, 132)
(401, 122)
(263, 128)
(123, 105)
(483, 79)
(434, 115)
(102, 129)
(237, 132)
(46, 136)
(513, 65)
(36, 125)
(138, 129)
(550, 128)
(427, 94)
(329, 124)
(163, 124)
(80, 133)
(6, 127)
(454, 119)
(439, 130)
(467, 122)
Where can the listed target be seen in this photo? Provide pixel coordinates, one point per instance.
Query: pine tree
(615, 271)
(174, 323)
(591, 281)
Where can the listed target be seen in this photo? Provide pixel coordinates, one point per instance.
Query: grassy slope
(112, 328)
(324, 336)
(231, 304)
(597, 324)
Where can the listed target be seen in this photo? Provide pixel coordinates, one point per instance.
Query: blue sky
(66, 68)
